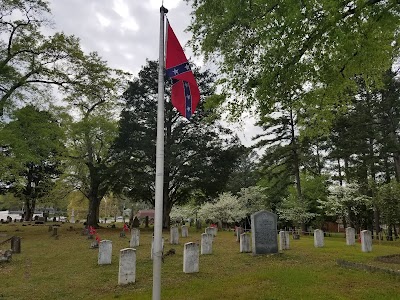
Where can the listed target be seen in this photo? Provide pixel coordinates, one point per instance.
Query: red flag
(126, 228)
(98, 238)
(185, 94)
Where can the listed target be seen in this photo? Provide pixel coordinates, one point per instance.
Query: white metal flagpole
(157, 244)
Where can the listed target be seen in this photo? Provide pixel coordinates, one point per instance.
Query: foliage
(29, 60)
(227, 208)
(95, 99)
(294, 211)
(32, 143)
(308, 52)
(198, 155)
(388, 202)
(183, 212)
(346, 202)
(253, 199)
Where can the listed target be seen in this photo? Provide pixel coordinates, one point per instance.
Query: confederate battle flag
(185, 94)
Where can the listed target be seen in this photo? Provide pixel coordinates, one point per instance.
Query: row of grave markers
(263, 240)
(127, 260)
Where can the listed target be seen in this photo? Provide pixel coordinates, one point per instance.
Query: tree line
(320, 77)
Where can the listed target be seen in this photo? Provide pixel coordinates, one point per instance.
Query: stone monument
(264, 232)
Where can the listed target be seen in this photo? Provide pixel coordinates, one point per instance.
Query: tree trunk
(28, 214)
(166, 210)
(92, 218)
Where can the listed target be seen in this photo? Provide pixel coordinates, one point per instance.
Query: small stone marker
(214, 230)
(72, 219)
(318, 238)
(184, 231)
(50, 228)
(94, 244)
(135, 237)
(127, 266)
(105, 252)
(16, 244)
(55, 231)
(350, 236)
(264, 235)
(206, 243)
(284, 240)
(210, 230)
(366, 241)
(174, 235)
(238, 232)
(245, 246)
(191, 258)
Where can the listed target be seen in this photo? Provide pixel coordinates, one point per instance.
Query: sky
(126, 32)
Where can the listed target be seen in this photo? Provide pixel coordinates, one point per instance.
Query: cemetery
(264, 163)
(206, 263)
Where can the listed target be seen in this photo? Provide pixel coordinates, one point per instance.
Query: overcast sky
(126, 32)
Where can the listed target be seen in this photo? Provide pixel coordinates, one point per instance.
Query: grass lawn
(65, 268)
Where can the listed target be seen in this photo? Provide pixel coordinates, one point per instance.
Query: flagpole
(159, 185)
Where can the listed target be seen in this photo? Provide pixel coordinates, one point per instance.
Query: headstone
(318, 238)
(366, 241)
(105, 252)
(152, 247)
(94, 244)
(238, 232)
(209, 230)
(245, 243)
(214, 230)
(72, 218)
(135, 237)
(191, 258)
(127, 266)
(50, 228)
(146, 221)
(16, 244)
(55, 231)
(174, 235)
(284, 240)
(184, 231)
(135, 222)
(206, 243)
(350, 236)
(264, 232)
(6, 255)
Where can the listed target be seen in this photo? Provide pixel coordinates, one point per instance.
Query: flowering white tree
(184, 212)
(227, 208)
(253, 199)
(345, 202)
(295, 211)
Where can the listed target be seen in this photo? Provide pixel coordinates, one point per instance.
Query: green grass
(67, 269)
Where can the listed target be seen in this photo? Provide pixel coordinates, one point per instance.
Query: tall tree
(198, 156)
(34, 143)
(312, 49)
(95, 101)
(29, 59)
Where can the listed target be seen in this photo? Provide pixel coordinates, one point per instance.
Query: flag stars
(187, 67)
(176, 71)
